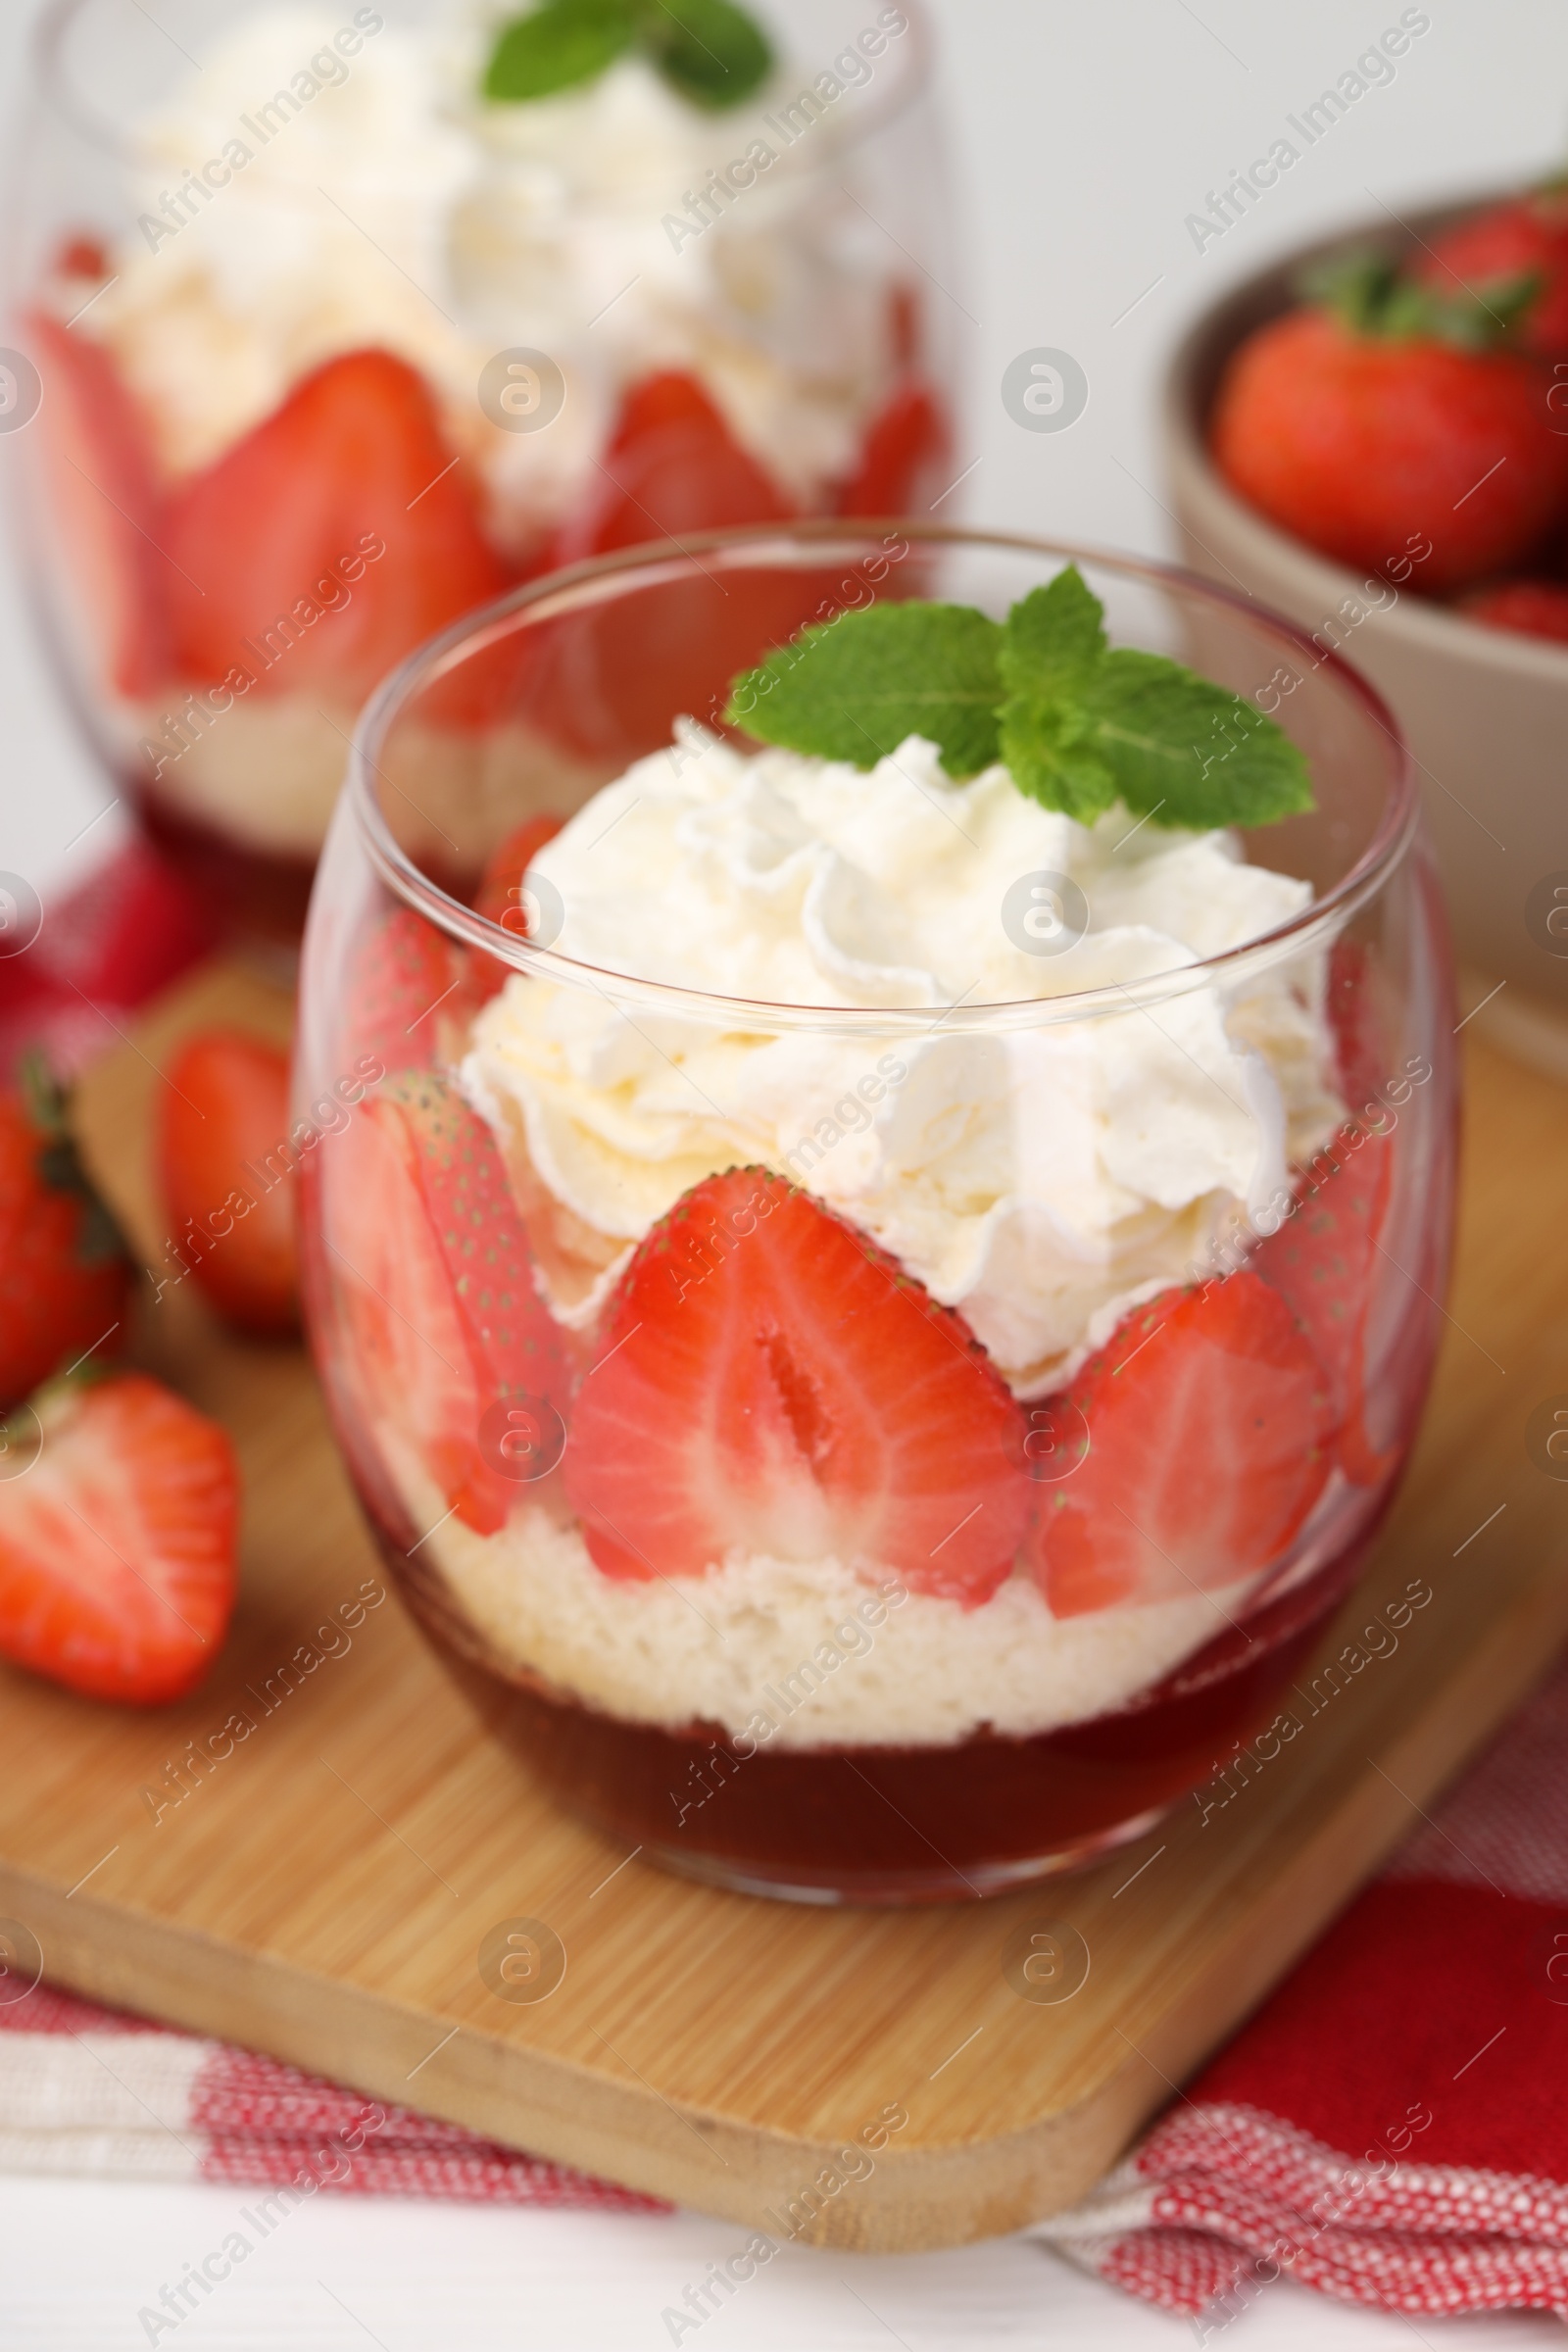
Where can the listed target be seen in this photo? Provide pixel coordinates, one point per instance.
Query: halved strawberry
(430, 1257)
(607, 683)
(502, 895)
(330, 541)
(904, 456)
(1208, 1425)
(105, 506)
(671, 466)
(116, 1548)
(227, 1182)
(1325, 1263)
(410, 993)
(771, 1382)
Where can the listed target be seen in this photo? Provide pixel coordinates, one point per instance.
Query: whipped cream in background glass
(394, 208)
(399, 208)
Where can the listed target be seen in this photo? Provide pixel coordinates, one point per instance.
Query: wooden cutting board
(324, 1892)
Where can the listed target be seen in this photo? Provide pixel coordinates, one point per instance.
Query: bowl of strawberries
(1372, 437)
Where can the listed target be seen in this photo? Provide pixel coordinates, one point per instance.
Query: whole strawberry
(63, 1272)
(1534, 608)
(1525, 237)
(1386, 422)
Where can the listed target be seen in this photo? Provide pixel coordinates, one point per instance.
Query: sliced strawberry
(498, 896)
(330, 541)
(1325, 1263)
(770, 1383)
(607, 683)
(672, 466)
(446, 1323)
(227, 1175)
(502, 895)
(103, 505)
(410, 994)
(116, 1548)
(1208, 1425)
(63, 1272)
(903, 461)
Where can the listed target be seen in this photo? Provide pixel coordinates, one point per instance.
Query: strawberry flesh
(330, 541)
(409, 992)
(770, 1383)
(501, 896)
(225, 1159)
(904, 456)
(433, 1264)
(116, 1548)
(105, 505)
(1325, 1263)
(1209, 1428)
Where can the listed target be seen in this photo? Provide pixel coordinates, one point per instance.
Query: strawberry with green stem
(1386, 415)
(64, 1275)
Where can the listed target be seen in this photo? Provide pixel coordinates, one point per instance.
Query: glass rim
(56, 87)
(1318, 923)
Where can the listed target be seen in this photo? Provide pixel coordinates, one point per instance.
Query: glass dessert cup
(1046, 1353)
(330, 351)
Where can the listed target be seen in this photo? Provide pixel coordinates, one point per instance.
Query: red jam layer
(901, 1824)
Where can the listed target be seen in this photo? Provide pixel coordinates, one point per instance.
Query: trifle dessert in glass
(345, 319)
(879, 1275)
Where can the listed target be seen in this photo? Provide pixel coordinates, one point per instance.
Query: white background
(1084, 134)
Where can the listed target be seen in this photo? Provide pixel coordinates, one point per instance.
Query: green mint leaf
(1053, 641)
(1052, 757)
(1198, 755)
(856, 687)
(558, 46)
(708, 50)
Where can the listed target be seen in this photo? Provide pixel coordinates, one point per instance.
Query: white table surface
(1084, 136)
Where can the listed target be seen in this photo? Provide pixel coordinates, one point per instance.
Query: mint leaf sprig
(1078, 723)
(710, 51)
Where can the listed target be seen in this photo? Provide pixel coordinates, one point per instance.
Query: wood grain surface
(323, 1890)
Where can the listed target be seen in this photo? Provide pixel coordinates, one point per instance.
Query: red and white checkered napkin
(84, 2090)
(1391, 2126)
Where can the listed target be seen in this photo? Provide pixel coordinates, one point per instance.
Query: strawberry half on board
(1208, 1427)
(228, 1186)
(770, 1383)
(117, 1547)
(446, 1328)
